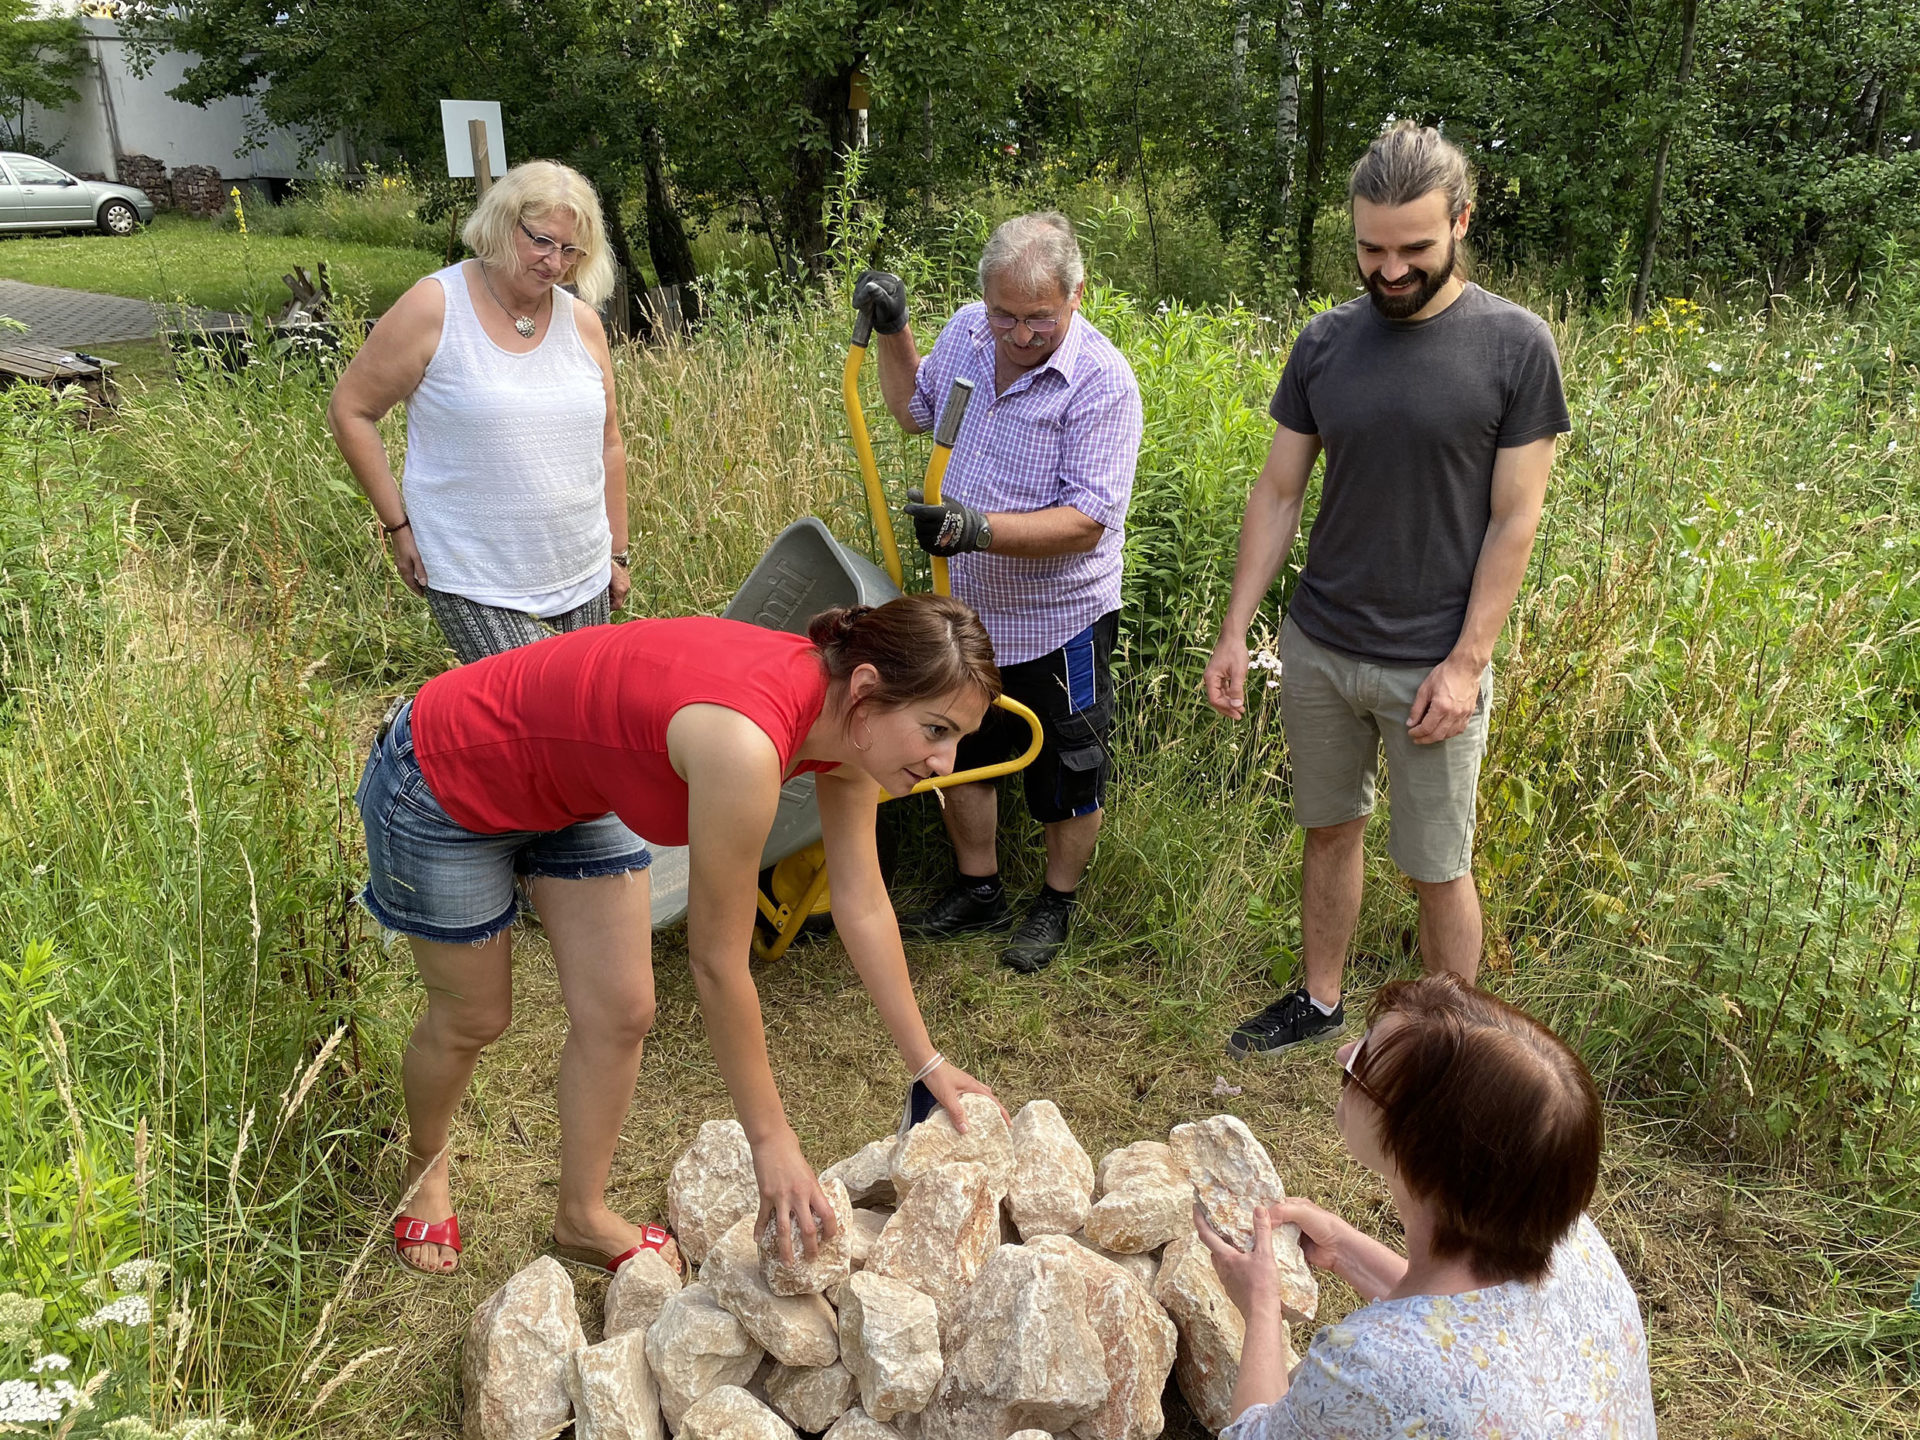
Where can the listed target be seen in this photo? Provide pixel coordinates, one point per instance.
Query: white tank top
(505, 477)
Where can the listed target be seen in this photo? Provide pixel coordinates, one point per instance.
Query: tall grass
(1696, 817)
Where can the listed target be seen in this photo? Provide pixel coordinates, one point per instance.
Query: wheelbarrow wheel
(786, 881)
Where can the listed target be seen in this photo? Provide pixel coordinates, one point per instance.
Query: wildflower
(1892, 445)
(128, 1310)
(18, 1315)
(1888, 544)
(1714, 366)
(136, 1273)
(1800, 485)
(22, 1402)
(239, 211)
(1817, 365)
(52, 1360)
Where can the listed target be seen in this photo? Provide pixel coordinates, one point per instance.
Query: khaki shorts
(1338, 711)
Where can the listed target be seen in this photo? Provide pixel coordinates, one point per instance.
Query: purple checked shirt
(1064, 433)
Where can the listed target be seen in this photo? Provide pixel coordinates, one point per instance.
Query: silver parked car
(36, 194)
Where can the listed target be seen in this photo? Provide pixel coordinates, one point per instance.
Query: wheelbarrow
(803, 572)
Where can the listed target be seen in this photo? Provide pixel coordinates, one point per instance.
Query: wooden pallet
(23, 360)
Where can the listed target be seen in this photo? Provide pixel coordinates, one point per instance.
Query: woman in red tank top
(544, 761)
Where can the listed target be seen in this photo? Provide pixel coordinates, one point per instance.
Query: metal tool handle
(862, 324)
(948, 430)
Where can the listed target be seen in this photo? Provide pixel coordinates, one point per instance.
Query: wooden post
(859, 100)
(619, 315)
(482, 160)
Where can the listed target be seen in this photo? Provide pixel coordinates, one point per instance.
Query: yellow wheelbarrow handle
(991, 772)
(863, 447)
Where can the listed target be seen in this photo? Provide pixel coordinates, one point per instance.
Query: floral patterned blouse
(1564, 1357)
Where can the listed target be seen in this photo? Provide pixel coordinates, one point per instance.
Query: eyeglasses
(1043, 326)
(545, 245)
(1351, 1076)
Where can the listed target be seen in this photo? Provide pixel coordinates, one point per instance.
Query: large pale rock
(794, 1329)
(513, 1367)
(712, 1188)
(1142, 1267)
(730, 1413)
(637, 1292)
(612, 1389)
(695, 1346)
(1233, 1176)
(1144, 1202)
(867, 1225)
(1030, 1435)
(890, 1341)
(1136, 1338)
(1211, 1330)
(934, 1142)
(832, 1261)
(943, 1232)
(856, 1424)
(867, 1174)
(1052, 1188)
(811, 1398)
(1026, 1351)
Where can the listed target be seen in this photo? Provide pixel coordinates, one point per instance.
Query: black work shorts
(1071, 690)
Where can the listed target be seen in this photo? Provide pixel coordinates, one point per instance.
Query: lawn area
(178, 257)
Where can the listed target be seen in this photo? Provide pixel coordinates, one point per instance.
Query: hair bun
(834, 626)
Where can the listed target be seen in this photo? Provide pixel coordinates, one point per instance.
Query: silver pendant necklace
(522, 323)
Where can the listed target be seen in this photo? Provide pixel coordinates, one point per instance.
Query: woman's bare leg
(469, 1002)
(602, 948)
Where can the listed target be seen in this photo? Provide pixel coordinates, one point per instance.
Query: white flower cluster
(52, 1360)
(137, 1274)
(133, 1427)
(1268, 661)
(22, 1402)
(128, 1310)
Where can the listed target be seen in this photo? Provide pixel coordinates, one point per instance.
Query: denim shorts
(434, 879)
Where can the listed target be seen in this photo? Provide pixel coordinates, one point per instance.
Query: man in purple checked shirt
(1033, 511)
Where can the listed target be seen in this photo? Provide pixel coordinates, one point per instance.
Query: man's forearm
(1266, 535)
(1497, 577)
(1037, 534)
(899, 364)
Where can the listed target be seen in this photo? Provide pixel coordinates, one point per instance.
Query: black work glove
(885, 294)
(948, 528)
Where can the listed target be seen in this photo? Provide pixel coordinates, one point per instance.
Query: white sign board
(454, 115)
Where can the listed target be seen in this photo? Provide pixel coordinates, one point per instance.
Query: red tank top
(575, 726)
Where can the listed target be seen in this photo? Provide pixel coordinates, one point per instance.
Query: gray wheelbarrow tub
(804, 571)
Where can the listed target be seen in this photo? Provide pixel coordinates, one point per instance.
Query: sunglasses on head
(545, 245)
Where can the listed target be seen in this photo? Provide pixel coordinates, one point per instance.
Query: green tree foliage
(40, 58)
(1785, 143)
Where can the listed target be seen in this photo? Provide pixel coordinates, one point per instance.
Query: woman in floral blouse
(1508, 1316)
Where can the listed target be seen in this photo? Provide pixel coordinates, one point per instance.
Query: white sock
(1323, 1009)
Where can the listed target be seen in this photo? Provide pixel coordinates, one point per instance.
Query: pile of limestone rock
(982, 1286)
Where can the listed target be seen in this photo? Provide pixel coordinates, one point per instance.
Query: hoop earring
(869, 745)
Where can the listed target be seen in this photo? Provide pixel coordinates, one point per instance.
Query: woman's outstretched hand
(949, 1083)
(790, 1194)
(1251, 1278)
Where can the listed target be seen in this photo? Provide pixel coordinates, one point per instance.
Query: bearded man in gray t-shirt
(1438, 406)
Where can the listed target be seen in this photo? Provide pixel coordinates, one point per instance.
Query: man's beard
(1407, 304)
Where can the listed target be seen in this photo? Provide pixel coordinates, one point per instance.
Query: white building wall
(121, 113)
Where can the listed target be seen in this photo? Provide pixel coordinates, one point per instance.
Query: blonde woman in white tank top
(513, 518)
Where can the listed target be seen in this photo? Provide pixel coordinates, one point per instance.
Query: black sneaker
(960, 911)
(1041, 935)
(1289, 1021)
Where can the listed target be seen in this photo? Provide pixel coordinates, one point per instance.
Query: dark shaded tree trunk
(1689, 24)
(813, 170)
(667, 244)
(623, 257)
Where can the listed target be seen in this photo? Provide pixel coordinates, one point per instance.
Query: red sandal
(409, 1231)
(652, 1237)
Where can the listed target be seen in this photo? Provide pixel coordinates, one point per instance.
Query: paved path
(67, 318)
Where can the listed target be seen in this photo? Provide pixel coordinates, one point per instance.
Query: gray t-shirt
(1410, 413)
